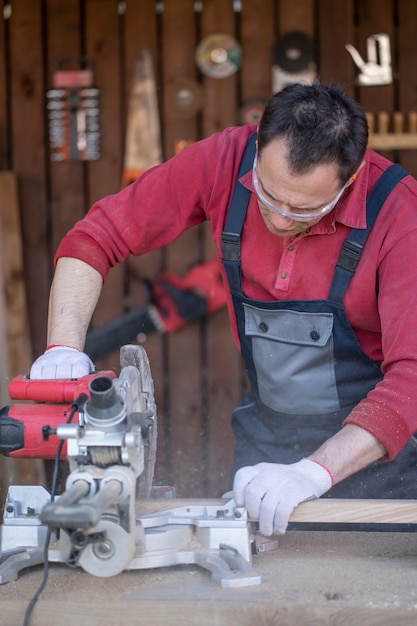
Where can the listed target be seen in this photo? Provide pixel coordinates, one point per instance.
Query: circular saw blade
(136, 355)
(218, 55)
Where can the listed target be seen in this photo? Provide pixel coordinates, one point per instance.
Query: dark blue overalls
(305, 366)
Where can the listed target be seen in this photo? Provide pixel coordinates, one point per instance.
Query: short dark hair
(319, 123)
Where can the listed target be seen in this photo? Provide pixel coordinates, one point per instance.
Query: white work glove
(270, 491)
(61, 362)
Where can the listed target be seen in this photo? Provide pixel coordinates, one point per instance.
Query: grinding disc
(185, 95)
(251, 112)
(293, 52)
(218, 55)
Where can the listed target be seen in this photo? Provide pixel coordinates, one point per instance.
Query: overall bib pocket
(294, 359)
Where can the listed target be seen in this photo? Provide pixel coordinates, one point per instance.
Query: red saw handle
(52, 390)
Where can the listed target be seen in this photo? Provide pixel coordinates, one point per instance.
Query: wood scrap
(14, 324)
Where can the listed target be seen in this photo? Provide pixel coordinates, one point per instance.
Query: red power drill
(27, 428)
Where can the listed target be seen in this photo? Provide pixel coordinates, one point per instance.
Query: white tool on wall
(377, 69)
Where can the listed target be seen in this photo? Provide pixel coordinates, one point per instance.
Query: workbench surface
(312, 579)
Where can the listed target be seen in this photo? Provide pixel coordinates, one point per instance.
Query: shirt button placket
(286, 266)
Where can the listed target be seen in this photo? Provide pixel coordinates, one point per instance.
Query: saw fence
(197, 371)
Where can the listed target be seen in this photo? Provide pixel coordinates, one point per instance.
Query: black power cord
(76, 406)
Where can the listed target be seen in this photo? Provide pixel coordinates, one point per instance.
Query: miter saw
(106, 427)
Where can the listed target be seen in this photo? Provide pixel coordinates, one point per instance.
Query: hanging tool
(73, 111)
(143, 147)
(377, 69)
(293, 60)
(218, 55)
(174, 302)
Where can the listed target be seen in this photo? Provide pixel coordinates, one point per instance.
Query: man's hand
(270, 491)
(61, 362)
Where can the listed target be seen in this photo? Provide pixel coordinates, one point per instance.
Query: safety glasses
(301, 215)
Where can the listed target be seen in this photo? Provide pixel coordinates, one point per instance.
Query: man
(329, 339)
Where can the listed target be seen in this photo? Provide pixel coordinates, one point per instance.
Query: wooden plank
(66, 179)
(26, 153)
(140, 26)
(14, 328)
(184, 356)
(376, 16)
(4, 118)
(27, 93)
(18, 340)
(4, 165)
(335, 23)
(296, 16)
(222, 383)
(406, 58)
(220, 95)
(178, 26)
(140, 31)
(351, 511)
(322, 510)
(393, 141)
(4, 376)
(225, 380)
(102, 45)
(257, 40)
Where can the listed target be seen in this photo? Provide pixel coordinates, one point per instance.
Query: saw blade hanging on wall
(218, 55)
(143, 136)
(293, 60)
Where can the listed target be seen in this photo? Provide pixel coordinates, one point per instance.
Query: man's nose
(280, 222)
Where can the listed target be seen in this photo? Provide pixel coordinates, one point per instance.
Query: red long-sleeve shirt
(380, 302)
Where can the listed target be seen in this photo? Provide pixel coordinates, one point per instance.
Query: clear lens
(301, 215)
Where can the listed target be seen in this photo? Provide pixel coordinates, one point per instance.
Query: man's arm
(348, 451)
(74, 295)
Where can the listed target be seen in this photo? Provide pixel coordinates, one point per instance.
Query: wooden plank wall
(197, 371)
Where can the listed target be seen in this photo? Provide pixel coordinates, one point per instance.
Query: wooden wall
(197, 371)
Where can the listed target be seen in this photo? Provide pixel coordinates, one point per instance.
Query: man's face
(296, 194)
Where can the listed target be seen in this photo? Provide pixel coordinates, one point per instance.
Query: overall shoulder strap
(238, 206)
(354, 242)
